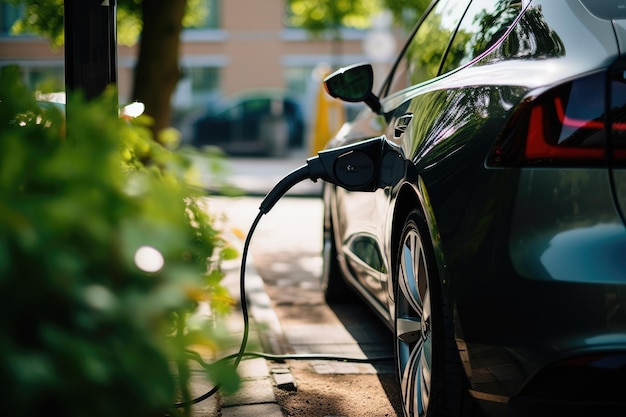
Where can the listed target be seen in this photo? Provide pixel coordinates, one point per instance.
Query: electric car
(494, 247)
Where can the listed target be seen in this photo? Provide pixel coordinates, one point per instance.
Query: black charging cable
(358, 167)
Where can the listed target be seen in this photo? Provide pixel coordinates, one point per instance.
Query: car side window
(425, 51)
(256, 107)
(484, 24)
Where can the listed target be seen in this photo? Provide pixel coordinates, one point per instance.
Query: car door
(364, 215)
(617, 143)
(437, 108)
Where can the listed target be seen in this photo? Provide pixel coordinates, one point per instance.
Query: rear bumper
(533, 407)
(547, 368)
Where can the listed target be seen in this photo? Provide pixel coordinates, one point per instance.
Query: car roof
(258, 93)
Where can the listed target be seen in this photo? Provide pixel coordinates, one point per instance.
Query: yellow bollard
(329, 117)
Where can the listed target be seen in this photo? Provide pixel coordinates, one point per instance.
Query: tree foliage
(104, 252)
(318, 16)
(406, 12)
(45, 18)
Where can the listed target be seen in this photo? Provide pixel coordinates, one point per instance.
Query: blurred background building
(244, 45)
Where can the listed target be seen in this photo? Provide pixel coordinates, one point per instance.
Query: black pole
(90, 46)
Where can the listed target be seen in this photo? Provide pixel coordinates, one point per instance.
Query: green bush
(104, 256)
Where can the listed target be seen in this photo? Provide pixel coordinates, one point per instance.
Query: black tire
(429, 371)
(333, 283)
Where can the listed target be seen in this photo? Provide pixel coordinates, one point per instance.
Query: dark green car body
(527, 235)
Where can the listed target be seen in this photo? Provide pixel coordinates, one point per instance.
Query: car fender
(411, 192)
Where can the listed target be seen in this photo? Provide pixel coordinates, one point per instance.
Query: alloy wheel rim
(413, 327)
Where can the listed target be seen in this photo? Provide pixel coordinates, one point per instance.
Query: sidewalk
(285, 273)
(256, 394)
(253, 177)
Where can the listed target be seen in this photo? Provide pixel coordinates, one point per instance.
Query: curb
(256, 394)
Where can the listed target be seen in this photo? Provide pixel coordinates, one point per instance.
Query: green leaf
(79, 207)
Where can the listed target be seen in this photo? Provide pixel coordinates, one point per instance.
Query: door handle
(402, 123)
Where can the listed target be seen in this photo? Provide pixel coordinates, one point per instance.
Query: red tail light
(618, 117)
(565, 126)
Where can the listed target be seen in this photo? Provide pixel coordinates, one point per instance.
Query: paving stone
(253, 368)
(309, 334)
(255, 410)
(342, 368)
(255, 391)
(284, 379)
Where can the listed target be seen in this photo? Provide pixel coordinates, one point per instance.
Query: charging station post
(90, 46)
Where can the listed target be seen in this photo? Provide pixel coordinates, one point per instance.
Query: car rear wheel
(430, 377)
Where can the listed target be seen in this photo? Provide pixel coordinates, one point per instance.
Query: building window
(45, 78)
(38, 76)
(9, 14)
(204, 80)
(298, 79)
(199, 86)
(212, 20)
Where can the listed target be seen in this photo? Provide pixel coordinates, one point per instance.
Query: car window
(484, 24)
(425, 51)
(606, 9)
(256, 106)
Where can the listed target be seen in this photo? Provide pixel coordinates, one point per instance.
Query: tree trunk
(157, 71)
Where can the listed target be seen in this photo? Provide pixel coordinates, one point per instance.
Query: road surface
(286, 253)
